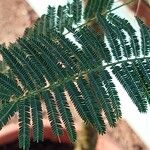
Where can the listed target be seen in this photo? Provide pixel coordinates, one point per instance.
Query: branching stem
(104, 13)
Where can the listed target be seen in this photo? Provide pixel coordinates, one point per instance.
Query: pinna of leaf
(44, 64)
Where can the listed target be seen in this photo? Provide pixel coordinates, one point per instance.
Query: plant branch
(104, 13)
(82, 73)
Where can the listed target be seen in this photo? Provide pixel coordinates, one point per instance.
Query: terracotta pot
(143, 10)
(9, 133)
(105, 142)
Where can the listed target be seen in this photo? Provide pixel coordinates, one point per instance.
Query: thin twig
(138, 6)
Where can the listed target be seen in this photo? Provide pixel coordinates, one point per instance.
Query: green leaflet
(51, 17)
(61, 18)
(46, 66)
(36, 118)
(120, 34)
(103, 98)
(4, 95)
(52, 113)
(65, 112)
(3, 67)
(24, 122)
(96, 44)
(91, 104)
(77, 100)
(36, 76)
(134, 88)
(6, 112)
(17, 68)
(112, 93)
(111, 37)
(127, 27)
(10, 85)
(77, 11)
(142, 68)
(88, 47)
(96, 6)
(145, 32)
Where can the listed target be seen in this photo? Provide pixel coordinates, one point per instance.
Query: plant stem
(124, 4)
(87, 138)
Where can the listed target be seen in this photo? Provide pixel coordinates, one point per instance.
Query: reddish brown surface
(143, 11)
(9, 133)
(125, 137)
(107, 143)
(15, 16)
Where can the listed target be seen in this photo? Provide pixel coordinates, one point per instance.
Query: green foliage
(7, 111)
(36, 118)
(97, 7)
(46, 67)
(24, 122)
(53, 114)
